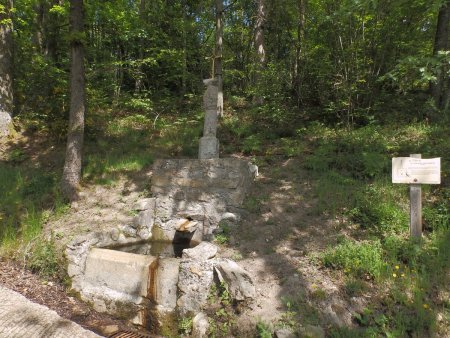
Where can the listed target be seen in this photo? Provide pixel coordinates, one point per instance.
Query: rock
(285, 332)
(144, 219)
(200, 326)
(337, 313)
(253, 169)
(201, 252)
(145, 204)
(194, 282)
(115, 233)
(109, 330)
(128, 230)
(239, 283)
(145, 234)
(78, 311)
(311, 331)
(5, 122)
(187, 226)
(230, 217)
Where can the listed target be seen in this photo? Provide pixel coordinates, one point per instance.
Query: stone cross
(209, 144)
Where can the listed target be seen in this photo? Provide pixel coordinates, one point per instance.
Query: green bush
(44, 259)
(356, 258)
(263, 330)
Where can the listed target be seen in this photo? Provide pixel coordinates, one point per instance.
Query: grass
(27, 197)
(349, 170)
(350, 173)
(356, 258)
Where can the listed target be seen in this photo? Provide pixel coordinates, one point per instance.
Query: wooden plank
(415, 200)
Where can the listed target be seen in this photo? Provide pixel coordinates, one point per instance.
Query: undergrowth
(350, 170)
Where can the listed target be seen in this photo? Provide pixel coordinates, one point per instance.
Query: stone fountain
(133, 271)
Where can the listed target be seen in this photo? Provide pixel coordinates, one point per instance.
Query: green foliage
(263, 330)
(253, 204)
(224, 232)
(355, 287)
(185, 326)
(356, 258)
(252, 144)
(44, 259)
(378, 208)
(417, 71)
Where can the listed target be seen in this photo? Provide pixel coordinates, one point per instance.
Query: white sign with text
(416, 170)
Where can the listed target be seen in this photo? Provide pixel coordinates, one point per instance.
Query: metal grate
(132, 334)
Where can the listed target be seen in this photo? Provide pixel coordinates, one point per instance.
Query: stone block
(194, 281)
(166, 282)
(209, 147)
(120, 271)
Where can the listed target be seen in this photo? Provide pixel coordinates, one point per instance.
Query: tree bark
(72, 167)
(218, 54)
(299, 50)
(184, 33)
(441, 43)
(6, 68)
(260, 48)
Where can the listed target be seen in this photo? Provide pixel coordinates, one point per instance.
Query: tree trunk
(38, 38)
(6, 68)
(218, 54)
(184, 33)
(438, 89)
(260, 50)
(52, 34)
(299, 51)
(72, 167)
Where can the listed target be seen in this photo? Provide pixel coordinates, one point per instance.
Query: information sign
(411, 170)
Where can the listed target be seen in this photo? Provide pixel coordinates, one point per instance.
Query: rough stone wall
(206, 191)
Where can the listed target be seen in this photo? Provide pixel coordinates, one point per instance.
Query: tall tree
(72, 167)
(299, 50)
(438, 89)
(260, 47)
(6, 67)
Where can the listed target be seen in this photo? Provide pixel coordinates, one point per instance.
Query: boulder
(201, 252)
(238, 281)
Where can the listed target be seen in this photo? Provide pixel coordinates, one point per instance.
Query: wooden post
(415, 200)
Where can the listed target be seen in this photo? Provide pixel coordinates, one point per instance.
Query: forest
(317, 93)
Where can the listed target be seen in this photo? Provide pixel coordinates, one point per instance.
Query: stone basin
(133, 284)
(126, 271)
(160, 249)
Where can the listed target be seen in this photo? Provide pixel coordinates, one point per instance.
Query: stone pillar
(209, 144)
